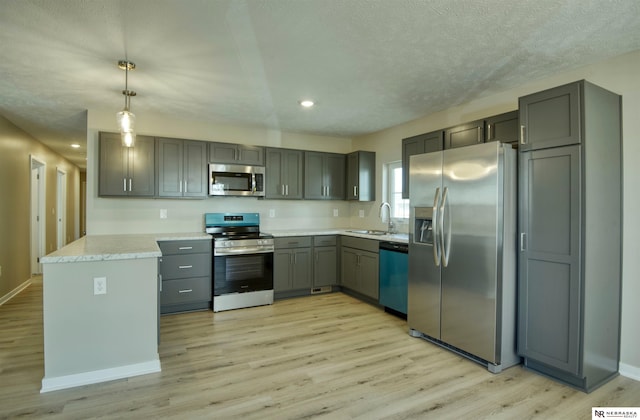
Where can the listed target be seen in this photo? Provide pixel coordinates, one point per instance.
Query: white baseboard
(6, 298)
(103, 375)
(629, 371)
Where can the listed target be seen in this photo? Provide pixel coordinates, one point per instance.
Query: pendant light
(126, 118)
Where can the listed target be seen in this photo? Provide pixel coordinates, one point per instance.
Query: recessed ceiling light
(306, 103)
(75, 145)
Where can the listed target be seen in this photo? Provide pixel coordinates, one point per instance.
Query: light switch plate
(335, 212)
(272, 213)
(163, 213)
(361, 213)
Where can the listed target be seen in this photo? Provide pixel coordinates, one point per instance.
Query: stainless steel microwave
(236, 180)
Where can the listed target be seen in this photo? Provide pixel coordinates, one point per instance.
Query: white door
(38, 183)
(61, 210)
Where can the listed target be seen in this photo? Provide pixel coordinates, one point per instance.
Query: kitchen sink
(368, 232)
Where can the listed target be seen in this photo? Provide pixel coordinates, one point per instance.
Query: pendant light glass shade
(127, 119)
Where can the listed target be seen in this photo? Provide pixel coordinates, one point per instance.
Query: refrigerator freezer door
(472, 212)
(424, 274)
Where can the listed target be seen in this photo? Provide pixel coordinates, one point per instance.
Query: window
(393, 190)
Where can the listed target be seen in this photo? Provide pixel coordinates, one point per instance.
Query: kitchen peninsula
(100, 301)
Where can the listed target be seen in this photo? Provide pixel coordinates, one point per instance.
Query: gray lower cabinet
(181, 168)
(325, 260)
(292, 264)
(464, 135)
(284, 173)
(361, 176)
(126, 171)
(569, 279)
(324, 176)
(185, 276)
(238, 154)
(359, 266)
(416, 145)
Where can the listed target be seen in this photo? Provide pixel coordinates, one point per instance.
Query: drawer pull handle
(183, 248)
(182, 267)
(185, 291)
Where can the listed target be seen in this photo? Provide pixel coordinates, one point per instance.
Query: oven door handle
(242, 251)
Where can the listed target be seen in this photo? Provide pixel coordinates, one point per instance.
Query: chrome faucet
(390, 222)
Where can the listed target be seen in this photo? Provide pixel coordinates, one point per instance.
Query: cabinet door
(361, 176)
(301, 269)
(549, 259)
(349, 268)
(313, 175)
(503, 128)
(352, 176)
(142, 167)
(283, 173)
(464, 135)
(368, 281)
(294, 165)
(250, 155)
(281, 270)
(325, 266)
(113, 169)
(424, 143)
(170, 169)
(195, 169)
(223, 152)
(551, 118)
(334, 175)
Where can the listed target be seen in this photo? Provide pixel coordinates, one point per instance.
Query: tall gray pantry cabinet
(570, 233)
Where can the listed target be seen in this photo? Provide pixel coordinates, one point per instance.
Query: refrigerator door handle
(437, 254)
(445, 237)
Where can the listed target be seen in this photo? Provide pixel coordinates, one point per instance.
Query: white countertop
(393, 237)
(116, 247)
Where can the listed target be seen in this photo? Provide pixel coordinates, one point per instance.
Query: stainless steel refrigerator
(462, 259)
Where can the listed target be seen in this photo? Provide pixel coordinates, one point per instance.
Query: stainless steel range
(242, 261)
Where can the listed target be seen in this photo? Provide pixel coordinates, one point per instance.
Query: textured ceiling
(369, 64)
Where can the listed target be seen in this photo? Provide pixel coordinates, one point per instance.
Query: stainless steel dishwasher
(394, 276)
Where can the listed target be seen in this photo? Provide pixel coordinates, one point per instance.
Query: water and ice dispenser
(423, 226)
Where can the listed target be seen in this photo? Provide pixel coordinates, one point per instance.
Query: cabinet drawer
(293, 242)
(370, 245)
(182, 266)
(329, 240)
(185, 247)
(185, 290)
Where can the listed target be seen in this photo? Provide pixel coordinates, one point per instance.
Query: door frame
(61, 207)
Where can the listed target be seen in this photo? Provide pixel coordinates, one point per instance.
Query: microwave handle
(253, 183)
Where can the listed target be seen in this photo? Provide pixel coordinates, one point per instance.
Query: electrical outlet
(163, 213)
(335, 212)
(272, 213)
(99, 285)
(361, 213)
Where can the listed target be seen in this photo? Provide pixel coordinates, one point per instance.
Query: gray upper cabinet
(181, 168)
(361, 176)
(324, 176)
(550, 118)
(503, 128)
(423, 143)
(123, 171)
(570, 194)
(283, 173)
(239, 154)
(464, 135)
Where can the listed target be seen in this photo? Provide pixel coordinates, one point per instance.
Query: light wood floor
(325, 356)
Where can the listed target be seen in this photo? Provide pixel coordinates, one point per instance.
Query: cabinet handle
(295, 259)
(355, 190)
(182, 267)
(283, 189)
(185, 291)
(479, 134)
(129, 184)
(523, 238)
(522, 132)
(287, 189)
(180, 186)
(124, 184)
(185, 186)
(184, 248)
(488, 131)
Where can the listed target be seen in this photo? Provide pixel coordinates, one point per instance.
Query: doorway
(61, 208)
(38, 203)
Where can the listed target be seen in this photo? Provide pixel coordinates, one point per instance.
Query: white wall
(620, 75)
